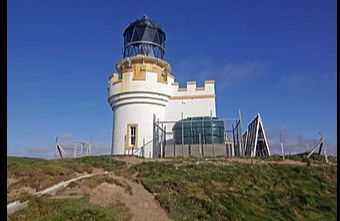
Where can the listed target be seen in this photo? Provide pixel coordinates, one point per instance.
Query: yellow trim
(182, 89)
(122, 64)
(127, 146)
(170, 75)
(116, 82)
(126, 70)
(200, 89)
(139, 72)
(141, 64)
(115, 77)
(191, 82)
(191, 97)
(162, 76)
(209, 82)
(175, 84)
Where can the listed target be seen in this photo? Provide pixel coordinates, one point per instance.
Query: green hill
(186, 189)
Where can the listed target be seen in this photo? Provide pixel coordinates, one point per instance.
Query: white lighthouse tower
(144, 87)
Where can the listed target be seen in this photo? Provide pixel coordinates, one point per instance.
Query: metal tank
(196, 130)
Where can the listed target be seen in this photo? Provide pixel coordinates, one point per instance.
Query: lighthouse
(143, 89)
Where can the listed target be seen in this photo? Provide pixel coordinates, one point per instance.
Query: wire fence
(71, 149)
(195, 137)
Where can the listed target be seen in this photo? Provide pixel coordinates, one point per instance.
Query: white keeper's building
(144, 86)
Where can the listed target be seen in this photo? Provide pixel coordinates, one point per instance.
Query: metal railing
(232, 139)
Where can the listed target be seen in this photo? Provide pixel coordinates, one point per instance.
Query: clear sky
(277, 58)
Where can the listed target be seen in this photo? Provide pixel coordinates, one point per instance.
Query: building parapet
(151, 83)
(127, 84)
(115, 78)
(192, 97)
(192, 90)
(200, 88)
(191, 82)
(209, 82)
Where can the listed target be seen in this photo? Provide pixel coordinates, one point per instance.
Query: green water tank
(210, 129)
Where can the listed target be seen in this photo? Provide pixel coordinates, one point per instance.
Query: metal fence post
(192, 138)
(56, 147)
(234, 141)
(240, 131)
(199, 144)
(182, 135)
(212, 135)
(202, 132)
(143, 149)
(90, 148)
(164, 143)
(157, 139)
(153, 134)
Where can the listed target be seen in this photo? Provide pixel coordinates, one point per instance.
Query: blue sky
(277, 58)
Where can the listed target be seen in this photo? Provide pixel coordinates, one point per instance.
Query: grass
(94, 181)
(314, 158)
(242, 191)
(187, 190)
(39, 174)
(108, 163)
(44, 208)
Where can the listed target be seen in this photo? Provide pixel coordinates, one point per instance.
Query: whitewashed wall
(141, 114)
(135, 102)
(189, 108)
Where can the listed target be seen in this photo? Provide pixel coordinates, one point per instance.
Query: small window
(131, 140)
(132, 136)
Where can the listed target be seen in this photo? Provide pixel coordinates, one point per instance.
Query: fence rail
(164, 144)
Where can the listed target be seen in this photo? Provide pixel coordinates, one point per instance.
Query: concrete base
(196, 150)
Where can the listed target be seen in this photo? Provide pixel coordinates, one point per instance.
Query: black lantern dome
(144, 37)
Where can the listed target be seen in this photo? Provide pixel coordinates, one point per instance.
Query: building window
(132, 136)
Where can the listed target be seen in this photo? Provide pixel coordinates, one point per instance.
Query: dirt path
(140, 203)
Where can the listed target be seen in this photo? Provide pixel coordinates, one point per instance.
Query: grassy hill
(186, 189)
